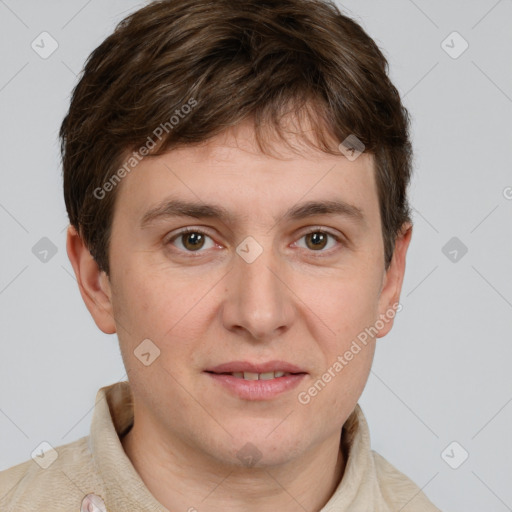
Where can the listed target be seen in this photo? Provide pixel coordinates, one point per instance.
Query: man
(235, 176)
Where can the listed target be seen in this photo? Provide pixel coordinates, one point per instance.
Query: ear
(392, 282)
(94, 284)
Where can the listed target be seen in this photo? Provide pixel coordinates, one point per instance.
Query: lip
(246, 366)
(256, 389)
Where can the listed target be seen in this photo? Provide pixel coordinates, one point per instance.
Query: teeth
(259, 376)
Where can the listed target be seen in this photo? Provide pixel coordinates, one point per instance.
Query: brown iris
(193, 241)
(318, 240)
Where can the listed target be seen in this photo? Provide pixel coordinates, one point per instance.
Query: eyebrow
(179, 208)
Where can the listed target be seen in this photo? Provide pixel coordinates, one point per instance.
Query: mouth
(255, 375)
(250, 381)
(256, 371)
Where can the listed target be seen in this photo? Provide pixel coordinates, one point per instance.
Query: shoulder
(399, 490)
(55, 480)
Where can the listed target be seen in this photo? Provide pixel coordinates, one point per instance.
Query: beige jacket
(96, 466)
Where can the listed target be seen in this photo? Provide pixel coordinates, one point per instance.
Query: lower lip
(258, 389)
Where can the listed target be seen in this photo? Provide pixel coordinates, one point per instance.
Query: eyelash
(313, 230)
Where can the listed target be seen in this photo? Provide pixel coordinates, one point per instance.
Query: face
(259, 283)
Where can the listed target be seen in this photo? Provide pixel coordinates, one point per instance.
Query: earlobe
(94, 284)
(393, 279)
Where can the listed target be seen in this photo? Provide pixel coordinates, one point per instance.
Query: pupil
(318, 239)
(194, 240)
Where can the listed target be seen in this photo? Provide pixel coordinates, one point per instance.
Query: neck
(180, 480)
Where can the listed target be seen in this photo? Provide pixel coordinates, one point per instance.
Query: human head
(179, 72)
(261, 95)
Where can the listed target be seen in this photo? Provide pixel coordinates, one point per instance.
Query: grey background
(441, 375)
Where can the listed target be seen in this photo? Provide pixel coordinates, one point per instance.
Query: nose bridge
(257, 300)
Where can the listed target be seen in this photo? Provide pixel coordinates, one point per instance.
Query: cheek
(141, 306)
(345, 304)
(161, 306)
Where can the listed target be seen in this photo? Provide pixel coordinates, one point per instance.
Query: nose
(258, 302)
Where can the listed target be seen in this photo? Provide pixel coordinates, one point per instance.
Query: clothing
(97, 465)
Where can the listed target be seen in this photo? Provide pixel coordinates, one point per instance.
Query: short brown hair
(256, 59)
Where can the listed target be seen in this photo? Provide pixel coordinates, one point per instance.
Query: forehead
(234, 179)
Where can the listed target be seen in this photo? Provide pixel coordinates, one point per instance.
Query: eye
(194, 239)
(317, 240)
(191, 240)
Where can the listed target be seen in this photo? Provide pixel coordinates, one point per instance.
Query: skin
(296, 302)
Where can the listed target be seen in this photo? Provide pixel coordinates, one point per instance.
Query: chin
(261, 449)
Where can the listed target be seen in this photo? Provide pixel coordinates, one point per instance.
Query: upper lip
(246, 366)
